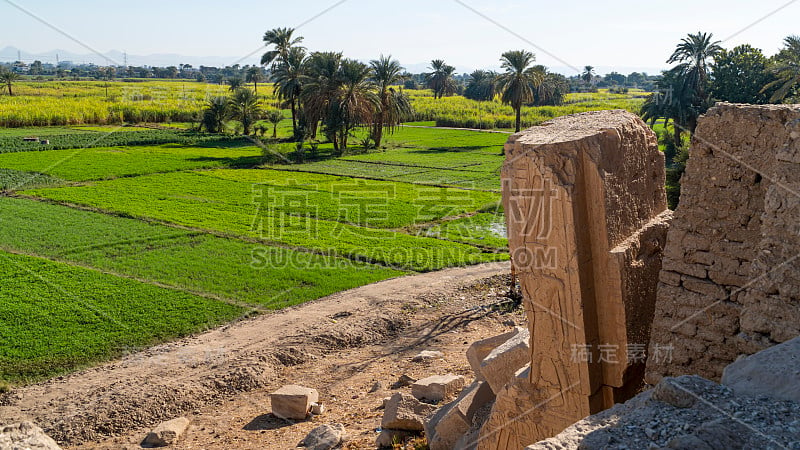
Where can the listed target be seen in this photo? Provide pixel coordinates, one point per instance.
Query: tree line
(706, 73)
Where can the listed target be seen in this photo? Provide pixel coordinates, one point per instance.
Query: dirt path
(342, 345)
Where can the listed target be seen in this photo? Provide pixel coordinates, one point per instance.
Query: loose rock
(404, 412)
(325, 437)
(167, 433)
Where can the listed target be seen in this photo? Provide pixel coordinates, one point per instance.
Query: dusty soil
(352, 347)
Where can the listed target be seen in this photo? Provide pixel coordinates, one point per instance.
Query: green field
(57, 317)
(122, 237)
(99, 163)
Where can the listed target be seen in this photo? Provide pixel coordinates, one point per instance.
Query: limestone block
(587, 220)
(167, 433)
(437, 387)
(406, 413)
(293, 402)
(481, 349)
(452, 421)
(500, 365)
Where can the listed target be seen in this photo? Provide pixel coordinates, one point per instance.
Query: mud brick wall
(730, 282)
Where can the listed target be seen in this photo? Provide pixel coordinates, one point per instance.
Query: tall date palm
(282, 41)
(287, 76)
(394, 107)
(520, 81)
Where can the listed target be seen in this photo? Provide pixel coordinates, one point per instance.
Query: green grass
(458, 158)
(257, 274)
(112, 162)
(56, 318)
(15, 179)
(304, 217)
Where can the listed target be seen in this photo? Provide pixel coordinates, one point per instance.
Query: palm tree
(588, 75)
(321, 87)
(358, 102)
(274, 116)
(243, 106)
(693, 54)
(481, 85)
(282, 39)
(234, 83)
(8, 78)
(395, 107)
(441, 78)
(287, 75)
(215, 113)
(787, 69)
(254, 76)
(519, 83)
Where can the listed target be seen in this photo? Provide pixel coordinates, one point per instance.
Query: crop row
(78, 316)
(114, 137)
(321, 219)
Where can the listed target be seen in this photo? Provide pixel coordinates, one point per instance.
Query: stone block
(293, 402)
(500, 365)
(406, 413)
(481, 349)
(774, 373)
(167, 433)
(438, 387)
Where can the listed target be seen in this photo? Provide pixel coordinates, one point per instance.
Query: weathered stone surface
(500, 365)
(406, 413)
(24, 436)
(454, 420)
(747, 422)
(481, 349)
(732, 243)
(437, 387)
(325, 437)
(427, 355)
(167, 433)
(774, 372)
(293, 402)
(587, 218)
(670, 392)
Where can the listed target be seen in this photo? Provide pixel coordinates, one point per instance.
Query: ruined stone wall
(587, 219)
(730, 282)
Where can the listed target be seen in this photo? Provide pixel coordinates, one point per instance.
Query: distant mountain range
(117, 58)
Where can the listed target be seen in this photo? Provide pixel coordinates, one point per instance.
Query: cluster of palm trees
(330, 94)
(684, 91)
(521, 84)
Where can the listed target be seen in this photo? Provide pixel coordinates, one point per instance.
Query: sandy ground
(352, 347)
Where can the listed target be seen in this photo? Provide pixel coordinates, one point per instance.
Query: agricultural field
(100, 102)
(460, 112)
(70, 317)
(216, 226)
(206, 223)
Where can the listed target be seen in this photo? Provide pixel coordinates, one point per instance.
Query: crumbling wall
(587, 219)
(730, 282)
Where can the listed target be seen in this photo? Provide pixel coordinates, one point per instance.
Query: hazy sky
(622, 34)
